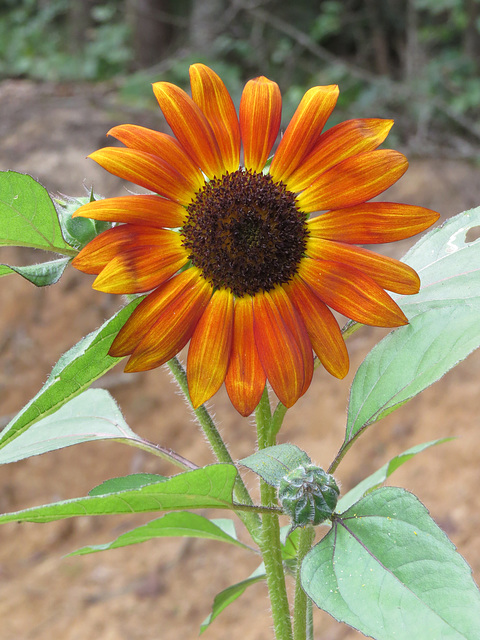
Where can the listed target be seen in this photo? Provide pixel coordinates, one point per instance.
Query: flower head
(228, 252)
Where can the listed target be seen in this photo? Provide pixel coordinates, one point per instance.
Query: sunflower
(228, 251)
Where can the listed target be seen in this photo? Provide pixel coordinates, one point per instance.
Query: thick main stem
(270, 541)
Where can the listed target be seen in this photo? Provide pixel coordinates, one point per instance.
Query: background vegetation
(418, 60)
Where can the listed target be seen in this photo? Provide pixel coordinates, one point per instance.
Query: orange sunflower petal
(150, 309)
(294, 322)
(352, 293)
(245, 379)
(190, 127)
(146, 170)
(173, 328)
(148, 210)
(303, 131)
(211, 95)
(389, 273)
(161, 145)
(141, 268)
(372, 223)
(338, 143)
(209, 349)
(260, 116)
(279, 353)
(323, 330)
(354, 180)
(104, 247)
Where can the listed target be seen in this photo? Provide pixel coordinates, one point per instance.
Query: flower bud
(308, 495)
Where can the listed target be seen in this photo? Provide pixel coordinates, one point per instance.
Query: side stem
(301, 621)
(270, 542)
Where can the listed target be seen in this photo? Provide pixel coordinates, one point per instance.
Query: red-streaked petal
(190, 127)
(108, 244)
(342, 141)
(150, 309)
(260, 117)
(294, 322)
(147, 171)
(279, 353)
(323, 330)
(389, 273)
(211, 95)
(352, 293)
(303, 131)
(152, 211)
(209, 348)
(162, 145)
(142, 268)
(354, 180)
(174, 325)
(245, 379)
(372, 223)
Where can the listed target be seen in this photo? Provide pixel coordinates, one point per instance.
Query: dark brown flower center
(245, 233)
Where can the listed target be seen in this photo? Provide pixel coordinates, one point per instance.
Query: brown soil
(165, 589)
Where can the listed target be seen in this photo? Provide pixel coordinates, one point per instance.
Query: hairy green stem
(270, 543)
(249, 518)
(300, 616)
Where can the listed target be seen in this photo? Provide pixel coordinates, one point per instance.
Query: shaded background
(71, 70)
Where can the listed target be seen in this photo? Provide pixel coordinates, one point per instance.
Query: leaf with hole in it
(272, 463)
(41, 275)
(443, 329)
(207, 488)
(27, 215)
(230, 594)
(75, 371)
(386, 569)
(177, 524)
(378, 477)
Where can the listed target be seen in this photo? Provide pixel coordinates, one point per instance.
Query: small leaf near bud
(308, 495)
(77, 231)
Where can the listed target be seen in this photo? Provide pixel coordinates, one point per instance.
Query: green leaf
(75, 371)
(229, 595)
(388, 570)
(27, 215)
(272, 463)
(444, 325)
(126, 483)
(410, 359)
(180, 524)
(207, 488)
(378, 477)
(93, 415)
(41, 275)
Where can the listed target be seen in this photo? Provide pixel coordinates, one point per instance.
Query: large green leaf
(230, 594)
(388, 570)
(378, 477)
(182, 523)
(272, 463)
(73, 373)
(444, 325)
(27, 215)
(207, 488)
(93, 415)
(41, 275)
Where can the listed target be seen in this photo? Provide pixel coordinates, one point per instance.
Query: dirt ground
(164, 589)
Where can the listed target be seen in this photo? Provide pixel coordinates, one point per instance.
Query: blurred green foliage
(417, 60)
(36, 40)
